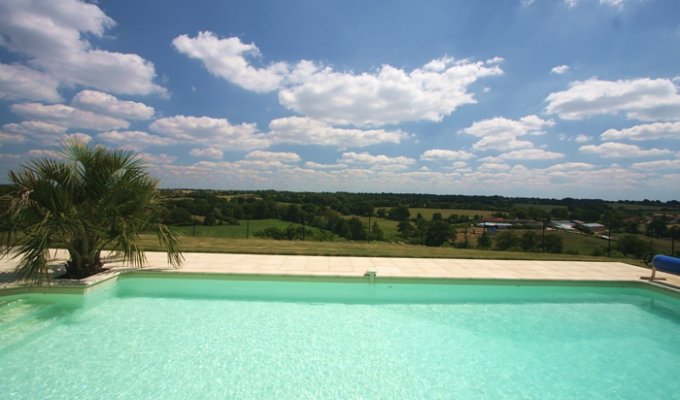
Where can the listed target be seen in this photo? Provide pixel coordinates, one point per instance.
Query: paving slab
(383, 266)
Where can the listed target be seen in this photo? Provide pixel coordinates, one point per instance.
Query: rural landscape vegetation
(414, 224)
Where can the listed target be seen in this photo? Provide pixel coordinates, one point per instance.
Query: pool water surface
(256, 339)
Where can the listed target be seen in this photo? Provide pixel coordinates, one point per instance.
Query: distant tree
(400, 213)
(376, 232)
(632, 227)
(438, 233)
(657, 228)
(209, 219)
(559, 213)
(553, 243)
(381, 213)
(529, 240)
(406, 230)
(484, 241)
(437, 217)
(356, 228)
(505, 240)
(631, 245)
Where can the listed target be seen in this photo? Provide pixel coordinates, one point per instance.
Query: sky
(528, 98)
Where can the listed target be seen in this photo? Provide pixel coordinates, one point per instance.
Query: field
(347, 248)
(245, 229)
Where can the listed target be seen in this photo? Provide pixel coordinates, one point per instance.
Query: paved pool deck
(331, 266)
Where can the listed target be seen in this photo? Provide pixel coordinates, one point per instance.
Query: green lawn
(232, 231)
(348, 248)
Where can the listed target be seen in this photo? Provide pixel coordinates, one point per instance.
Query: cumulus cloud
(285, 157)
(106, 104)
(68, 117)
(389, 95)
(228, 59)
(18, 82)
(570, 166)
(208, 152)
(531, 154)
(493, 167)
(211, 132)
(315, 165)
(43, 132)
(658, 165)
(54, 36)
(560, 69)
(643, 99)
(622, 150)
(134, 139)
(445, 155)
(376, 161)
(502, 133)
(658, 130)
(307, 131)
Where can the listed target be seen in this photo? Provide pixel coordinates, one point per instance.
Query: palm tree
(93, 199)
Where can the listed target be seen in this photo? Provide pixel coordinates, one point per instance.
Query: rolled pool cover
(666, 263)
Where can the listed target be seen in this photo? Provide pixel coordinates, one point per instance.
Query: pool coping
(358, 269)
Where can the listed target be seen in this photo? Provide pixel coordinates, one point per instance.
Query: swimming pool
(159, 337)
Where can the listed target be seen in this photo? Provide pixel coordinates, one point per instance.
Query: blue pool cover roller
(666, 263)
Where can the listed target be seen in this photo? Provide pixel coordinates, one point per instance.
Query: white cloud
(307, 131)
(226, 58)
(657, 130)
(581, 138)
(445, 155)
(9, 137)
(388, 96)
(560, 69)
(106, 104)
(493, 167)
(501, 133)
(54, 37)
(68, 117)
(643, 99)
(284, 157)
(376, 161)
(314, 165)
(208, 152)
(21, 83)
(43, 132)
(658, 165)
(210, 132)
(134, 139)
(531, 154)
(569, 167)
(157, 159)
(622, 150)
(38, 153)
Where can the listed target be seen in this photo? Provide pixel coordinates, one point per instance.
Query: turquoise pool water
(145, 338)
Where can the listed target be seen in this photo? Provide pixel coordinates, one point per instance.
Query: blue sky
(542, 98)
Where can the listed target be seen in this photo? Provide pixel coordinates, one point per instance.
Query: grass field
(232, 231)
(347, 248)
(446, 212)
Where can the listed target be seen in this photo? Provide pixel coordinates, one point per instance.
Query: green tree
(657, 228)
(93, 199)
(484, 241)
(376, 232)
(400, 213)
(631, 245)
(553, 243)
(529, 241)
(505, 240)
(438, 232)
